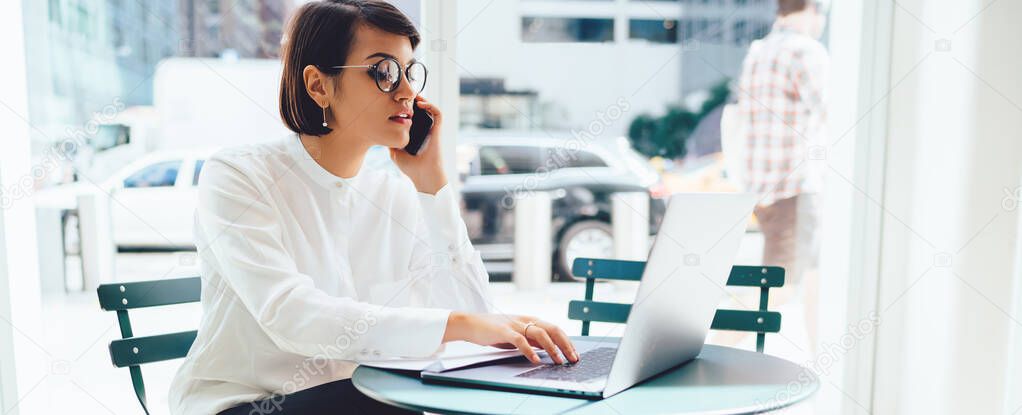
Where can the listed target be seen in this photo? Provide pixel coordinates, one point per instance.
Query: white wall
(948, 246)
(245, 89)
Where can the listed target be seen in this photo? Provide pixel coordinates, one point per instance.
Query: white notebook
(455, 355)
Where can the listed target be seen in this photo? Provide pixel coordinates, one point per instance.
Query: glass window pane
(161, 174)
(111, 135)
(587, 159)
(560, 29)
(740, 32)
(653, 30)
(566, 158)
(509, 159)
(198, 168)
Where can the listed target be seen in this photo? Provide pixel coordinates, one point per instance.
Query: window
(565, 158)
(195, 175)
(656, 31)
(111, 135)
(740, 32)
(745, 31)
(161, 174)
(701, 27)
(714, 31)
(81, 20)
(698, 29)
(560, 29)
(54, 12)
(509, 159)
(686, 30)
(761, 29)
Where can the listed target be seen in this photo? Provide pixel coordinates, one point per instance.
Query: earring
(324, 116)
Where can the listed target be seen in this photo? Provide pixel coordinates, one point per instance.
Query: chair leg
(764, 302)
(136, 382)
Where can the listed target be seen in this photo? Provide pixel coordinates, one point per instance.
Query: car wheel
(587, 238)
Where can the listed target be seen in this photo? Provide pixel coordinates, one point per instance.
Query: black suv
(581, 176)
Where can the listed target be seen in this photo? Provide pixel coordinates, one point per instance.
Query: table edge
(815, 386)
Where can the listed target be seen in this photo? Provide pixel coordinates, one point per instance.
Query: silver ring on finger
(525, 331)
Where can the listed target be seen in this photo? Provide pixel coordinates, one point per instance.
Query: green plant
(665, 136)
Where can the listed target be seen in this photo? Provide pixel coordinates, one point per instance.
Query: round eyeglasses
(387, 73)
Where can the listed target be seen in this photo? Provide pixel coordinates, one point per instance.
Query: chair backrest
(134, 351)
(760, 321)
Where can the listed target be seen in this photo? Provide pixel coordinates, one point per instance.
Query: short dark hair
(321, 33)
(786, 7)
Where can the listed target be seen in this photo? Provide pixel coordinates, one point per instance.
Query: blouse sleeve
(444, 256)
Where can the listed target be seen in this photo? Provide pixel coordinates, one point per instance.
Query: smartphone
(422, 122)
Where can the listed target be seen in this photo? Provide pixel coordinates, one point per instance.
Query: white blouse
(305, 273)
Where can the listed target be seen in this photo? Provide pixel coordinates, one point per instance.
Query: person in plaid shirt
(782, 112)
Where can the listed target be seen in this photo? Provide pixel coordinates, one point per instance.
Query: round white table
(722, 380)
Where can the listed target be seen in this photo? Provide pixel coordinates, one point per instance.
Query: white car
(152, 199)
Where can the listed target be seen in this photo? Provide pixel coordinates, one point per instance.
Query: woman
(311, 263)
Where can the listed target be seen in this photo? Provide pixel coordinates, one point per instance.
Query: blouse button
(339, 185)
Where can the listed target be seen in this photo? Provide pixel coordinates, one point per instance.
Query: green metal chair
(760, 321)
(134, 351)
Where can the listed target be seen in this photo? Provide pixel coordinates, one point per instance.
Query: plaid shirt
(782, 109)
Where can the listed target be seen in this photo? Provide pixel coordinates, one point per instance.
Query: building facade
(92, 62)
(582, 57)
(85, 56)
(233, 28)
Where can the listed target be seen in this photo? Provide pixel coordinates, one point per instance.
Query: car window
(509, 159)
(159, 174)
(195, 175)
(563, 158)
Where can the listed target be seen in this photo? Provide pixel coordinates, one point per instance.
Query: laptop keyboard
(591, 365)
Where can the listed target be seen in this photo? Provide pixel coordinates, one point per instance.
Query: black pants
(338, 397)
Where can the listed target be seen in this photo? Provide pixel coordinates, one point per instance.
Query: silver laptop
(681, 287)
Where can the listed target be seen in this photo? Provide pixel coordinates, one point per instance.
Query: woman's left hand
(426, 168)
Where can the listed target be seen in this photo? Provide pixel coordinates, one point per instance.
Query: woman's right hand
(509, 331)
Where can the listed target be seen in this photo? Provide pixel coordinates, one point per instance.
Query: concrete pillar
(630, 221)
(532, 246)
(50, 231)
(96, 235)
